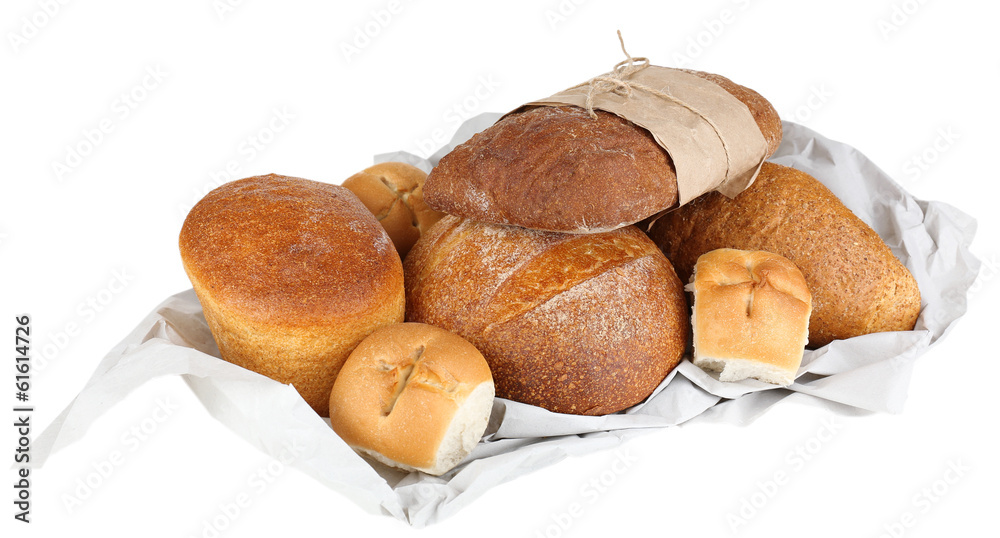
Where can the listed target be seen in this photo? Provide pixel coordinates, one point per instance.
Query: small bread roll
(394, 193)
(751, 315)
(291, 275)
(413, 396)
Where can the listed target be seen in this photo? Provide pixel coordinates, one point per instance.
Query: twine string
(618, 81)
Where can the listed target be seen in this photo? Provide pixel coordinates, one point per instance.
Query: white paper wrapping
(869, 373)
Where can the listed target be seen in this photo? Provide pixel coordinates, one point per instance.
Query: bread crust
(400, 390)
(582, 324)
(393, 192)
(751, 309)
(557, 169)
(291, 275)
(858, 286)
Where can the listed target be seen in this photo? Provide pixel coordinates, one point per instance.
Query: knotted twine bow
(618, 81)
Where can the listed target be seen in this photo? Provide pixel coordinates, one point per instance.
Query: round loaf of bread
(393, 192)
(584, 324)
(291, 275)
(413, 396)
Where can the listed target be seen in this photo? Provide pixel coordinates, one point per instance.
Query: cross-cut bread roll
(393, 192)
(413, 396)
(751, 315)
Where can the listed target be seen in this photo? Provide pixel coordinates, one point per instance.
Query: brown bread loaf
(291, 275)
(557, 169)
(858, 286)
(583, 324)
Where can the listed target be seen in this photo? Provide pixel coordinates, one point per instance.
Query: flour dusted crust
(584, 324)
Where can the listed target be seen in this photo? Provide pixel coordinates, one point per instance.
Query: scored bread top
(584, 324)
(400, 389)
(750, 270)
(750, 316)
(288, 250)
(393, 191)
(750, 306)
(557, 169)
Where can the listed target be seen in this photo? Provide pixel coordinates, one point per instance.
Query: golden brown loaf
(413, 396)
(393, 191)
(291, 275)
(583, 324)
(858, 286)
(751, 315)
(556, 169)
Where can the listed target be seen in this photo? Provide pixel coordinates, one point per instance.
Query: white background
(91, 250)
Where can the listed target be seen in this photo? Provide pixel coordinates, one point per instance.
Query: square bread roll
(751, 315)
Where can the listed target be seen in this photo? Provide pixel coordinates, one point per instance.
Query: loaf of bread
(393, 192)
(413, 396)
(584, 324)
(858, 286)
(555, 168)
(750, 316)
(291, 275)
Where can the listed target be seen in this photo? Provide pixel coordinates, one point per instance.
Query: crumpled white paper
(865, 373)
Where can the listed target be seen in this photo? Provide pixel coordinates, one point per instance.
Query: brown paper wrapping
(697, 122)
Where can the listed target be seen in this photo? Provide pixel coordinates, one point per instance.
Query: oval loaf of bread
(555, 168)
(858, 286)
